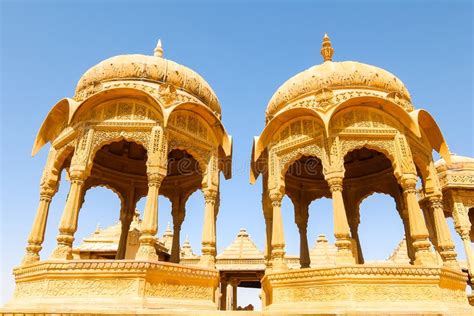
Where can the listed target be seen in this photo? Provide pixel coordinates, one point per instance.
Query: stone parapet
(93, 286)
(367, 289)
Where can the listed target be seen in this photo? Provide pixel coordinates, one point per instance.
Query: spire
(327, 51)
(168, 231)
(159, 49)
(97, 228)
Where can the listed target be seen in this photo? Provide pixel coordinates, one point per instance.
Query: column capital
(155, 178)
(335, 183)
(210, 195)
(47, 192)
(436, 201)
(408, 183)
(276, 197)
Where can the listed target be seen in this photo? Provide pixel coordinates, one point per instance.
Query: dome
(335, 76)
(154, 69)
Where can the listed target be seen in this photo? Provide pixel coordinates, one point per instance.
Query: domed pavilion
(141, 126)
(344, 130)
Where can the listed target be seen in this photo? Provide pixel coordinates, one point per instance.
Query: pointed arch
(117, 93)
(387, 106)
(277, 121)
(223, 139)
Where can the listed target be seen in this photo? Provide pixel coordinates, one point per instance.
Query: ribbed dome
(335, 75)
(151, 69)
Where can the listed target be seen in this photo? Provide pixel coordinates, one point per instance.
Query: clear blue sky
(245, 50)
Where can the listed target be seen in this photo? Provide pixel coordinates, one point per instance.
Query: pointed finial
(168, 231)
(97, 228)
(327, 51)
(159, 49)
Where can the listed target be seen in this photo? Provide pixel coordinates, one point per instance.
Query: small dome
(151, 69)
(457, 161)
(335, 75)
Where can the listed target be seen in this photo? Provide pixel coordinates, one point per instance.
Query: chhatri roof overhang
(161, 83)
(323, 90)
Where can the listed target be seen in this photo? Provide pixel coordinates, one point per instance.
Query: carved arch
(101, 138)
(312, 150)
(207, 115)
(201, 155)
(119, 194)
(386, 106)
(117, 94)
(276, 123)
(384, 146)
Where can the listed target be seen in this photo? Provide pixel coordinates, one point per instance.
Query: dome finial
(327, 51)
(159, 49)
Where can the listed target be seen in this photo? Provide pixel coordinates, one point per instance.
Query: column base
(279, 265)
(208, 261)
(30, 258)
(146, 252)
(344, 257)
(62, 252)
(425, 257)
(344, 253)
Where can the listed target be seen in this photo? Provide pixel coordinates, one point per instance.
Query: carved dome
(152, 69)
(335, 76)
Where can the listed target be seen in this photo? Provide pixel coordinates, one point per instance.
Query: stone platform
(110, 286)
(357, 289)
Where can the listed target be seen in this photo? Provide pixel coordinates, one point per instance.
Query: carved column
(268, 216)
(36, 237)
(408, 239)
(353, 218)
(445, 244)
(229, 297)
(235, 284)
(178, 213)
(403, 212)
(126, 216)
(278, 238)
(301, 220)
(341, 225)
(208, 256)
(223, 298)
(68, 224)
(418, 231)
(146, 250)
(462, 225)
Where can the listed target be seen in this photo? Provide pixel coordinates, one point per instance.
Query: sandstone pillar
(418, 231)
(301, 220)
(463, 228)
(268, 215)
(235, 285)
(36, 237)
(208, 256)
(445, 244)
(126, 218)
(341, 225)
(68, 224)
(178, 213)
(229, 296)
(146, 250)
(278, 238)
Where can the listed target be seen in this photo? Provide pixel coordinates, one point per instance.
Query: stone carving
(181, 291)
